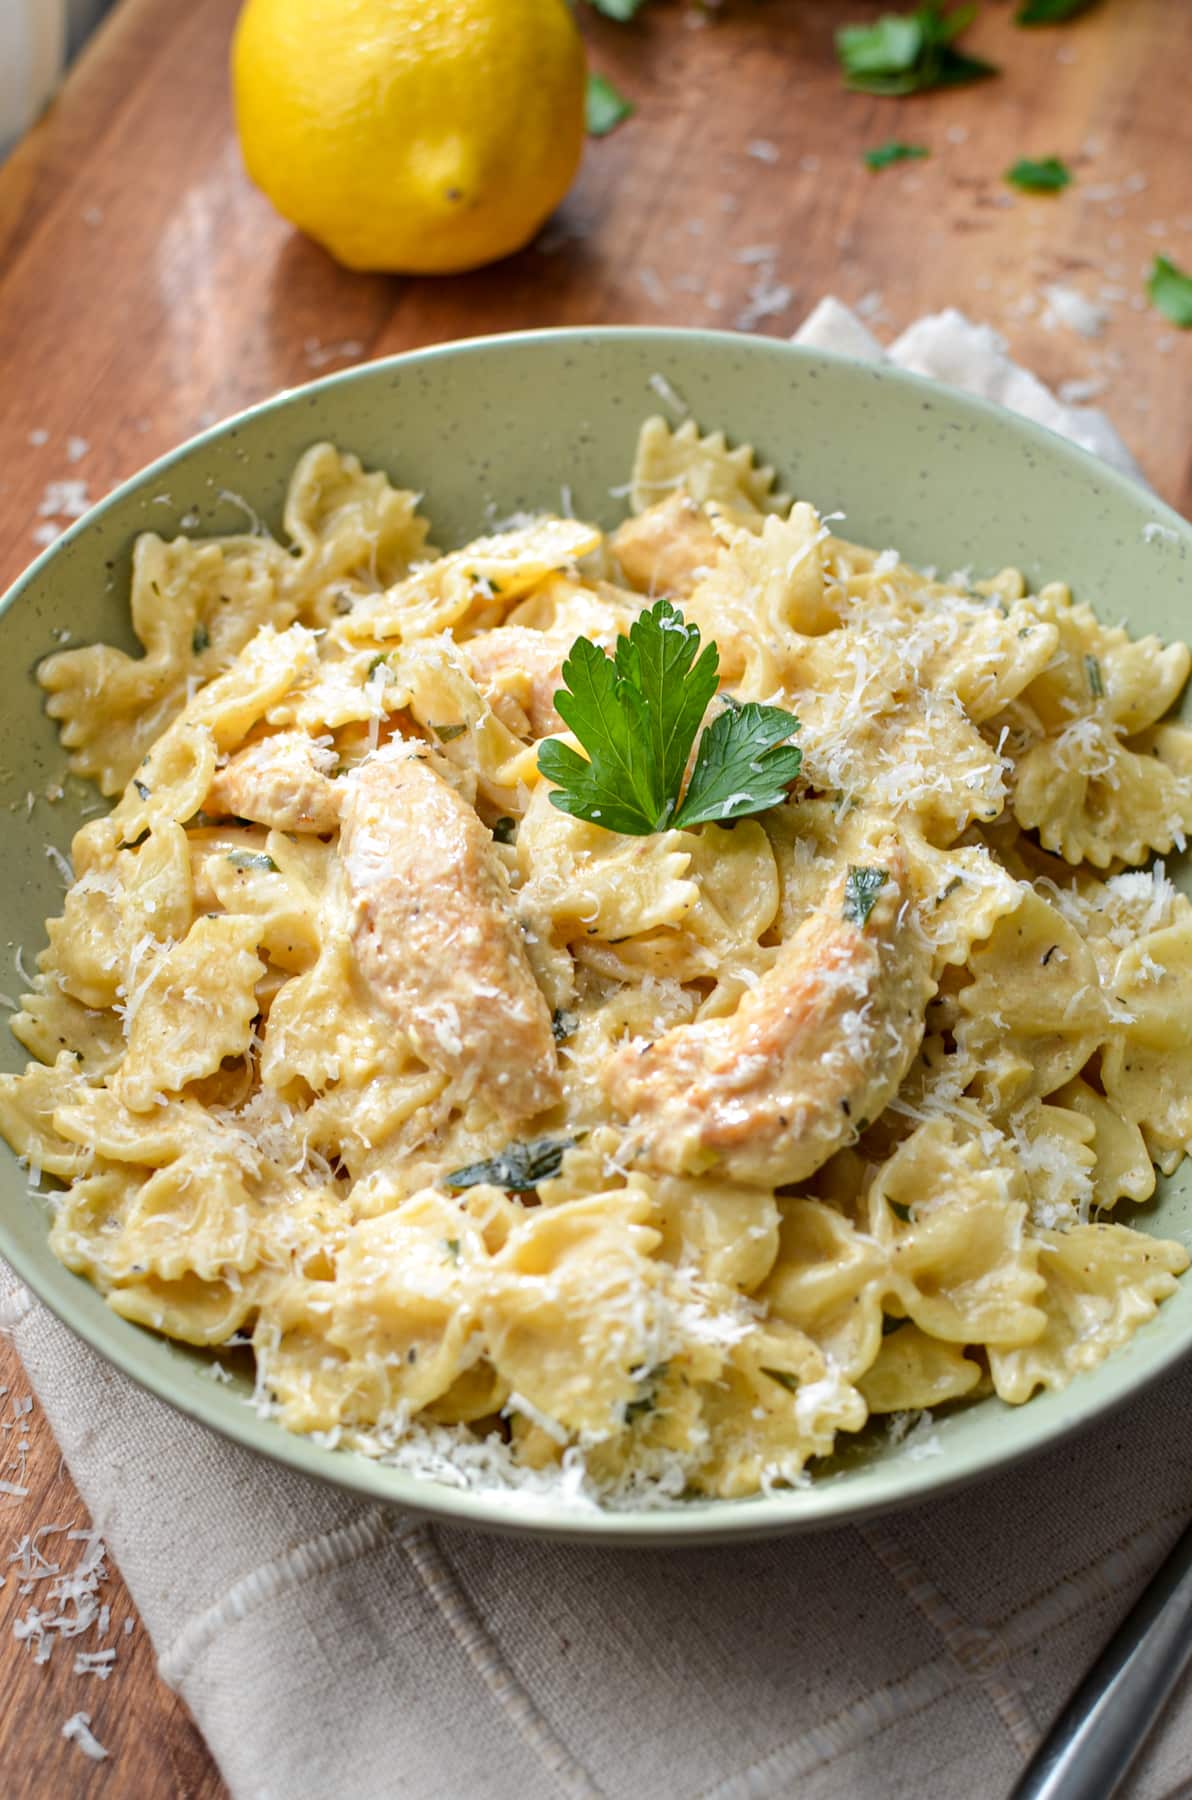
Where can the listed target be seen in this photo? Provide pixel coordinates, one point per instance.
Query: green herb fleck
(647, 1400)
(447, 734)
(893, 152)
(1170, 290)
(382, 656)
(504, 830)
(907, 53)
(861, 890)
(946, 893)
(519, 1167)
(637, 716)
(451, 1246)
(1050, 12)
(784, 1378)
(1047, 176)
(251, 859)
(1096, 680)
(563, 1024)
(604, 106)
(200, 639)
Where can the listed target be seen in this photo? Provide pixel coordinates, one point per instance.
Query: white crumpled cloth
(330, 1647)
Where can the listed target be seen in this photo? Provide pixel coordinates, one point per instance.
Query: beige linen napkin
(332, 1648)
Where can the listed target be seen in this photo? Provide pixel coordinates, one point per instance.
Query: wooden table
(146, 289)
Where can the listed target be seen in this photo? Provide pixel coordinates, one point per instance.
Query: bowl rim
(524, 1512)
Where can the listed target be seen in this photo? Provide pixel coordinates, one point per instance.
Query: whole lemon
(424, 136)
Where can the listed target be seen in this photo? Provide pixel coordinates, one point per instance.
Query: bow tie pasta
(520, 1149)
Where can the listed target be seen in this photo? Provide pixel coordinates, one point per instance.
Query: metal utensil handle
(1090, 1747)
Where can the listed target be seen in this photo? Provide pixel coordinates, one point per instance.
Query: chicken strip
(519, 665)
(283, 781)
(814, 1053)
(666, 548)
(434, 935)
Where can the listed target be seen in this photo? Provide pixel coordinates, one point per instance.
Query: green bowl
(498, 424)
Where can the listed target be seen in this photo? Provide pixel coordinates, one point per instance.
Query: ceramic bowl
(497, 425)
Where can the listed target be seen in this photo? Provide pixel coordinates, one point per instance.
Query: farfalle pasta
(661, 1158)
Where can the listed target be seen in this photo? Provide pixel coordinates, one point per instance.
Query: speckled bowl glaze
(499, 424)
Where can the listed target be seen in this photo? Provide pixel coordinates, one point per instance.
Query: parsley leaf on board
(637, 715)
(861, 890)
(893, 152)
(1050, 12)
(1170, 290)
(518, 1167)
(605, 107)
(907, 53)
(1047, 176)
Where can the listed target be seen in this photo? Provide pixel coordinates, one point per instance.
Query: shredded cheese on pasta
(636, 1166)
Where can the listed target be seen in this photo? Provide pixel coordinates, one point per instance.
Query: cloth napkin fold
(331, 1647)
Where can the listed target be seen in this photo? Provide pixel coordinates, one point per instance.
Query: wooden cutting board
(146, 290)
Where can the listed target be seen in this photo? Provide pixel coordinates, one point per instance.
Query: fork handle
(1087, 1752)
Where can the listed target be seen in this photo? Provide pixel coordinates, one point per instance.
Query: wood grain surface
(146, 289)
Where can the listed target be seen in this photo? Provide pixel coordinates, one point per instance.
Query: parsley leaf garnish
(907, 53)
(1047, 176)
(1050, 12)
(861, 890)
(518, 1167)
(883, 155)
(604, 105)
(743, 765)
(1171, 291)
(637, 715)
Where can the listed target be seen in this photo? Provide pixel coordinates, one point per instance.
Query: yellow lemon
(416, 135)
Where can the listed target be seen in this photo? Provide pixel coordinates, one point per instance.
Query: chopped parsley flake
(251, 859)
(1170, 290)
(504, 829)
(1050, 12)
(447, 734)
(563, 1024)
(907, 53)
(1096, 680)
(200, 639)
(883, 155)
(519, 1167)
(784, 1378)
(1047, 176)
(605, 107)
(861, 890)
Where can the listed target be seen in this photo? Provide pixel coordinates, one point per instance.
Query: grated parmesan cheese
(77, 1730)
